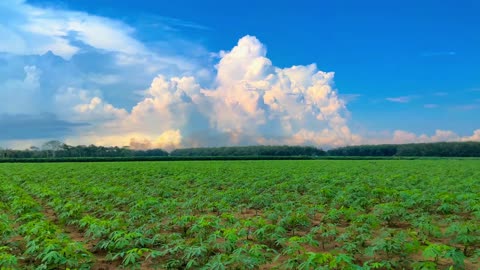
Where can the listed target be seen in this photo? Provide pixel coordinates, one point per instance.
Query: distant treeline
(55, 150)
(237, 151)
(170, 158)
(440, 149)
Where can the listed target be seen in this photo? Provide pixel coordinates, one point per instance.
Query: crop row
(44, 244)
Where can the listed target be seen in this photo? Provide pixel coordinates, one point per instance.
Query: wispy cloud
(36, 30)
(402, 99)
(440, 94)
(174, 24)
(430, 106)
(439, 53)
(466, 107)
(350, 97)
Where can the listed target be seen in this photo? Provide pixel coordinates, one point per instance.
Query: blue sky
(403, 71)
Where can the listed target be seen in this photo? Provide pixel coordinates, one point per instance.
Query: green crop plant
(7, 259)
(467, 234)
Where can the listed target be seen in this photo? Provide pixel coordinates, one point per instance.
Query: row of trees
(57, 149)
(263, 150)
(440, 149)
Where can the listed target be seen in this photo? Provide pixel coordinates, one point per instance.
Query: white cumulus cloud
(252, 102)
(402, 136)
(82, 105)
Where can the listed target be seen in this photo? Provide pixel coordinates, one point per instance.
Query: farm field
(312, 214)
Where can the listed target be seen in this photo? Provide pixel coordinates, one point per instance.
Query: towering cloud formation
(252, 102)
(273, 105)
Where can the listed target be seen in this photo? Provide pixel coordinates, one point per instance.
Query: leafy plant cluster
(8, 245)
(248, 214)
(43, 245)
